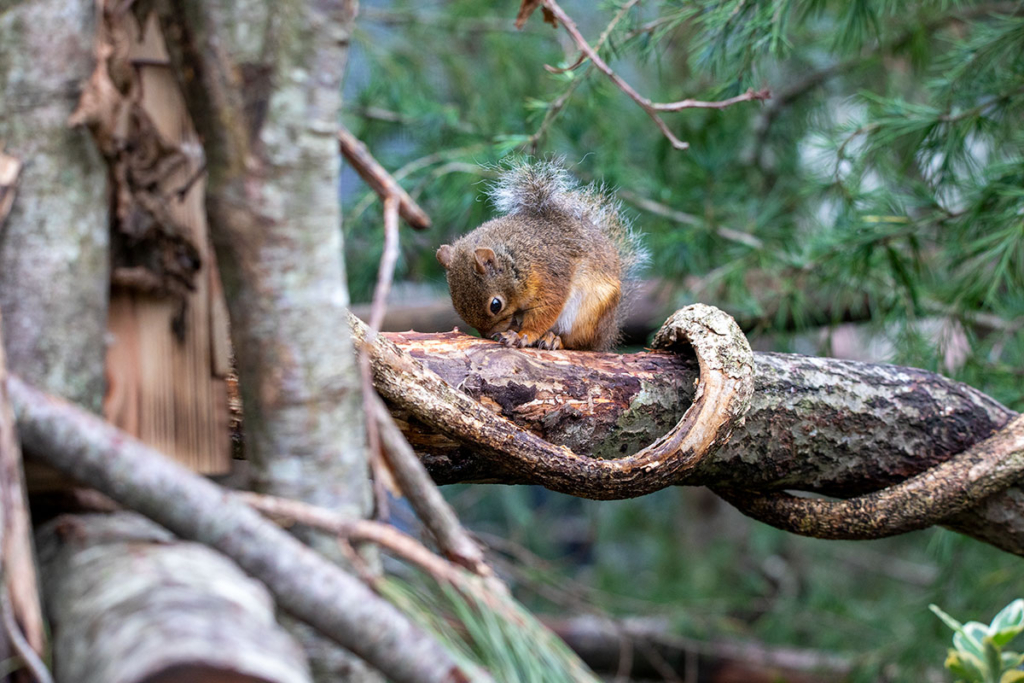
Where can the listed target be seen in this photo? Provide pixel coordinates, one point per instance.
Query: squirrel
(550, 271)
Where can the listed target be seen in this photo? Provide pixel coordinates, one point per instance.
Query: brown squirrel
(550, 271)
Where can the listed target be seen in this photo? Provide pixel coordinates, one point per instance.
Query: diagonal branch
(304, 583)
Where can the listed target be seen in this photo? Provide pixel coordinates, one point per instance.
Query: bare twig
(355, 531)
(36, 667)
(18, 563)
(385, 276)
(646, 204)
(559, 104)
(748, 96)
(380, 180)
(386, 272)
(425, 498)
(651, 108)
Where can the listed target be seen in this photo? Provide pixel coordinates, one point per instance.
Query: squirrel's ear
(484, 259)
(444, 256)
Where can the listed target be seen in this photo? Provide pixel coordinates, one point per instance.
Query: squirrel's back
(547, 191)
(551, 270)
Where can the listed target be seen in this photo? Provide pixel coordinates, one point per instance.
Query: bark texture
(262, 82)
(304, 583)
(162, 606)
(54, 245)
(722, 397)
(839, 428)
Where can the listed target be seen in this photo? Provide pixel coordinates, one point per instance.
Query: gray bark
(305, 584)
(162, 606)
(275, 220)
(54, 247)
(54, 284)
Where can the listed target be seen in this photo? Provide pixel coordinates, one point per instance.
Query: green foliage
(978, 654)
(882, 184)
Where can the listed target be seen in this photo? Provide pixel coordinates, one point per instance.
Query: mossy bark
(839, 428)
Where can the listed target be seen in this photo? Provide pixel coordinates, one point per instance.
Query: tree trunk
(54, 285)
(839, 428)
(275, 219)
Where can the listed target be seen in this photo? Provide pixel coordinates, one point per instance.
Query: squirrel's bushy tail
(546, 187)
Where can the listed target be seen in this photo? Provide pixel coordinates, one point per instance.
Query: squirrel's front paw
(550, 341)
(512, 338)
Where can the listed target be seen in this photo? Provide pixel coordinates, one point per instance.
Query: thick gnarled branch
(835, 427)
(721, 400)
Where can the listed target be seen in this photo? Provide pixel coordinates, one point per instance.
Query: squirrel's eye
(495, 305)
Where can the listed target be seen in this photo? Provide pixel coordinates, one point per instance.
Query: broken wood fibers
(166, 389)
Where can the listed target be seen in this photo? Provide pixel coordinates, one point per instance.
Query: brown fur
(539, 258)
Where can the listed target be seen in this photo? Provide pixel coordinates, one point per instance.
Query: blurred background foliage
(872, 208)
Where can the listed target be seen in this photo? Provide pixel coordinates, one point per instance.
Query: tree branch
(722, 398)
(649, 107)
(305, 584)
(936, 494)
(835, 427)
(379, 180)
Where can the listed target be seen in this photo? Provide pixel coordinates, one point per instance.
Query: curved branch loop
(928, 498)
(723, 395)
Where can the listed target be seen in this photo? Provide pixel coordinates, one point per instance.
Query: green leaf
(1009, 617)
(1004, 636)
(965, 665)
(969, 638)
(1011, 660)
(993, 663)
(946, 619)
(1012, 677)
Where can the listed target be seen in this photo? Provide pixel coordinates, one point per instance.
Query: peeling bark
(839, 428)
(163, 606)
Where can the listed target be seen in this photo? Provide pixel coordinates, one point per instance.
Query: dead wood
(721, 399)
(840, 428)
(304, 583)
(164, 606)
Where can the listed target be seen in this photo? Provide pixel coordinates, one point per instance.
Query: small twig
(650, 108)
(354, 531)
(424, 496)
(388, 259)
(660, 209)
(37, 669)
(380, 180)
(748, 96)
(559, 104)
(385, 276)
